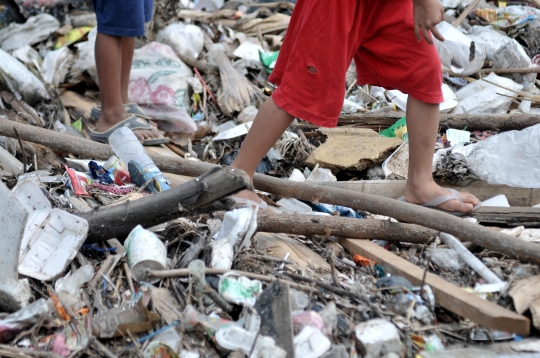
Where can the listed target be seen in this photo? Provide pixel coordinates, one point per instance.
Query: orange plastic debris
(363, 261)
(59, 308)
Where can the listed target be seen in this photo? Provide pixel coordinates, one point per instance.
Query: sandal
(454, 195)
(131, 108)
(132, 122)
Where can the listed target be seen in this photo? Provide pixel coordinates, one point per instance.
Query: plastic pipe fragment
(469, 258)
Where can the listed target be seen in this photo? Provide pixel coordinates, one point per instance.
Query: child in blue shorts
(119, 23)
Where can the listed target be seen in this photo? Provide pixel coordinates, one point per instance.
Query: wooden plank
(447, 295)
(72, 99)
(483, 191)
(465, 12)
(514, 216)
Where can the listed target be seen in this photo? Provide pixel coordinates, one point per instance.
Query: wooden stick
(465, 12)
(118, 220)
(473, 122)
(511, 70)
(402, 211)
(299, 224)
(447, 295)
(514, 216)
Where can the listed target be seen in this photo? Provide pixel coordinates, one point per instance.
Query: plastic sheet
(187, 40)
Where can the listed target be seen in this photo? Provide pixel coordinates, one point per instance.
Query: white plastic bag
(510, 158)
(34, 30)
(86, 59)
(454, 51)
(19, 80)
(187, 40)
(56, 65)
(483, 97)
(159, 83)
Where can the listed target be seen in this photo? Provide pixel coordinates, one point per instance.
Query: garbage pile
(125, 250)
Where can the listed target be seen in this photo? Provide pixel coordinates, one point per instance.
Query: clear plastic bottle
(128, 148)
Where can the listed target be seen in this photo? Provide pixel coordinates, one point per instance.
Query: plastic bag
(15, 77)
(509, 56)
(483, 97)
(56, 65)
(268, 60)
(510, 158)
(86, 60)
(236, 92)
(34, 30)
(398, 129)
(455, 51)
(187, 40)
(159, 80)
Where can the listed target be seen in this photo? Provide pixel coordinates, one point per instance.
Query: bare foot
(251, 196)
(423, 194)
(108, 119)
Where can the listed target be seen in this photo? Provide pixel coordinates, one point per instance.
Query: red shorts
(325, 35)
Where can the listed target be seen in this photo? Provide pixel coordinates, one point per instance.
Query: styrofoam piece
(222, 254)
(378, 337)
(321, 175)
(234, 132)
(293, 206)
(238, 225)
(51, 238)
(400, 99)
(456, 136)
(248, 51)
(237, 339)
(297, 175)
(499, 201)
(14, 294)
(490, 287)
(311, 343)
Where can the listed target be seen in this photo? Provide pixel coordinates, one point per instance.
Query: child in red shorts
(391, 44)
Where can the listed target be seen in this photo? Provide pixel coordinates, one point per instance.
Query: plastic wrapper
(56, 65)
(510, 158)
(86, 59)
(172, 119)
(455, 51)
(34, 30)
(187, 40)
(16, 322)
(483, 97)
(16, 78)
(158, 82)
(236, 92)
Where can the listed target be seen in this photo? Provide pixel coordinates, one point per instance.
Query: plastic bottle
(73, 283)
(128, 148)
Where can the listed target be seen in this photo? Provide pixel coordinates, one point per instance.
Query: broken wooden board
(447, 295)
(166, 305)
(526, 295)
(160, 150)
(395, 188)
(175, 180)
(513, 216)
(279, 245)
(72, 99)
(106, 268)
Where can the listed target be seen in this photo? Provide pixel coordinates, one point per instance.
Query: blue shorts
(125, 18)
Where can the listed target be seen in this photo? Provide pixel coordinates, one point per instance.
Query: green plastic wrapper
(398, 129)
(268, 60)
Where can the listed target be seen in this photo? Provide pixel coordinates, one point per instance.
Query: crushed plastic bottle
(128, 148)
(299, 300)
(73, 283)
(16, 322)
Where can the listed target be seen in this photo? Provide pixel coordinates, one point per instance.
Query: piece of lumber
(369, 229)
(513, 216)
(511, 70)
(119, 220)
(465, 12)
(482, 190)
(447, 295)
(279, 245)
(71, 99)
(524, 292)
(401, 211)
(473, 122)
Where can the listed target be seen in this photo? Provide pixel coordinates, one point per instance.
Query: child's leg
(110, 71)
(422, 124)
(269, 125)
(128, 47)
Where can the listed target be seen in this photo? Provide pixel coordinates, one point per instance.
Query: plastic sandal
(133, 122)
(454, 195)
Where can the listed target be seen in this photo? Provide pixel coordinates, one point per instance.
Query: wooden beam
(395, 188)
(473, 122)
(447, 295)
(513, 216)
